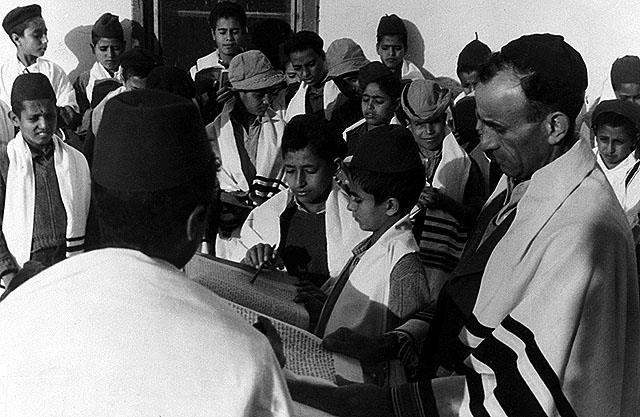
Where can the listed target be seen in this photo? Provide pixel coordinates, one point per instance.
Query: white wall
(69, 24)
(600, 30)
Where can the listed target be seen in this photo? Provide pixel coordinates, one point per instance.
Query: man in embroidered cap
(28, 32)
(107, 44)
(541, 315)
(391, 46)
(247, 136)
(122, 328)
(44, 186)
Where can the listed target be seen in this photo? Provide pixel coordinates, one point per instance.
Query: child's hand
(430, 198)
(263, 254)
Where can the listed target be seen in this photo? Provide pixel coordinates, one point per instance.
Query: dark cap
(474, 54)
(389, 149)
(139, 57)
(371, 72)
(20, 15)
(150, 140)
(560, 72)
(626, 109)
(31, 86)
(625, 70)
(391, 25)
(108, 26)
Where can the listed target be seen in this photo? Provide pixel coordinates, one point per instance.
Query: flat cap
(31, 86)
(108, 26)
(626, 109)
(150, 140)
(344, 56)
(252, 70)
(391, 25)
(20, 15)
(625, 70)
(425, 100)
(389, 150)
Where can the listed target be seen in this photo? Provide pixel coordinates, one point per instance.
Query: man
(28, 32)
(44, 185)
(121, 330)
(391, 46)
(541, 315)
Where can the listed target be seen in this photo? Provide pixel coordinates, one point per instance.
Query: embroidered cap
(108, 26)
(626, 109)
(20, 15)
(388, 149)
(252, 70)
(344, 56)
(31, 86)
(150, 140)
(625, 70)
(425, 100)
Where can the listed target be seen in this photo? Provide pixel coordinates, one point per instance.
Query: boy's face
(391, 50)
(256, 102)
(628, 92)
(37, 122)
(369, 215)
(309, 177)
(290, 75)
(348, 84)
(33, 41)
(228, 35)
(377, 106)
(614, 144)
(468, 81)
(108, 51)
(309, 65)
(428, 135)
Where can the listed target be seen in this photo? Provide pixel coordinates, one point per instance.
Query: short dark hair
(226, 10)
(615, 120)
(403, 38)
(315, 132)
(19, 29)
(303, 40)
(544, 96)
(391, 85)
(403, 186)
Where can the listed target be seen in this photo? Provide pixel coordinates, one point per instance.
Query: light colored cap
(425, 100)
(252, 70)
(344, 56)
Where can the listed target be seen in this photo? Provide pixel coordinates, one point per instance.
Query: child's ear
(393, 206)
(14, 118)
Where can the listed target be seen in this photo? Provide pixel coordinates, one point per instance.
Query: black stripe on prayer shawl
(452, 234)
(477, 329)
(78, 248)
(450, 223)
(75, 239)
(424, 243)
(511, 391)
(476, 396)
(632, 173)
(541, 365)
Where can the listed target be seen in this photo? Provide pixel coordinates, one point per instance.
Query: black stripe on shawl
(477, 329)
(476, 396)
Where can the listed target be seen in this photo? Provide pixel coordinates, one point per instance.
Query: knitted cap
(625, 70)
(149, 140)
(31, 86)
(20, 15)
(108, 26)
(387, 150)
(252, 70)
(391, 25)
(425, 100)
(344, 56)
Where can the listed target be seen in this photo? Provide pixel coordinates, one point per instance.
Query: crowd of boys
(475, 241)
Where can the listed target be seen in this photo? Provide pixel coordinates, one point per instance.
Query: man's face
(256, 102)
(468, 81)
(391, 50)
(309, 65)
(34, 40)
(628, 92)
(428, 135)
(614, 144)
(362, 205)
(377, 106)
(107, 52)
(37, 122)
(228, 36)
(308, 176)
(519, 146)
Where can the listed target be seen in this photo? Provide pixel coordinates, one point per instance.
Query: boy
(616, 125)
(384, 282)
(308, 223)
(307, 57)
(44, 184)
(380, 98)
(228, 22)
(107, 44)
(474, 54)
(28, 32)
(391, 46)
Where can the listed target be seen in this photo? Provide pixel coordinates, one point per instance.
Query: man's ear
(14, 118)
(557, 124)
(392, 206)
(15, 38)
(196, 223)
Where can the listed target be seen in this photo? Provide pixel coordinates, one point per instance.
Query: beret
(626, 109)
(108, 26)
(391, 25)
(389, 149)
(625, 70)
(150, 140)
(31, 86)
(20, 15)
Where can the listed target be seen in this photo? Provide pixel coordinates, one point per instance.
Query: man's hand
(366, 349)
(265, 326)
(263, 253)
(224, 94)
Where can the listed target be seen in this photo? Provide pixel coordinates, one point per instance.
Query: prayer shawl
(97, 73)
(208, 61)
(354, 126)
(342, 231)
(74, 181)
(268, 164)
(65, 94)
(96, 114)
(410, 71)
(554, 329)
(298, 102)
(362, 304)
(442, 237)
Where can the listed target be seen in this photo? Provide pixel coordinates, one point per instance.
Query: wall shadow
(416, 48)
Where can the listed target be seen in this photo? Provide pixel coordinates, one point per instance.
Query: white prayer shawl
(410, 71)
(208, 61)
(268, 162)
(625, 181)
(65, 94)
(342, 231)
(352, 127)
(557, 314)
(96, 114)
(362, 306)
(74, 181)
(97, 73)
(297, 105)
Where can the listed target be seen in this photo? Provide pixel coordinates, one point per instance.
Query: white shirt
(9, 71)
(114, 332)
(625, 181)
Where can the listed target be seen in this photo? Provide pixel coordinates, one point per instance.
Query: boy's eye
(380, 102)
